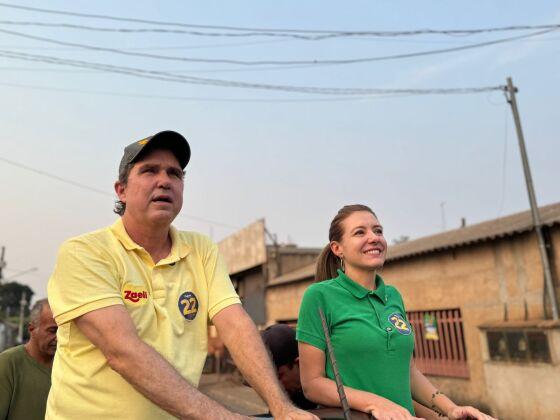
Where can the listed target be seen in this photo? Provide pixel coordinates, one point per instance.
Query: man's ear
(336, 248)
(120, 190)
(296, 361)
(31, 328)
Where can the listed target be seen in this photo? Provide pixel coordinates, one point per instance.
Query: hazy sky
(289, 157)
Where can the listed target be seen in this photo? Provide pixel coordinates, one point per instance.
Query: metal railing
(445, 355)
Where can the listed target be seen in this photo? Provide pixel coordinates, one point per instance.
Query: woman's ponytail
(327, 264)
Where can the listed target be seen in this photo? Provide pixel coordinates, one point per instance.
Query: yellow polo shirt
(170, 303)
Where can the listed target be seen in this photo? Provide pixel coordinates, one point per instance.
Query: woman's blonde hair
(328, 262)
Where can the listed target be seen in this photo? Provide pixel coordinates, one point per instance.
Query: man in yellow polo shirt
(133, 301)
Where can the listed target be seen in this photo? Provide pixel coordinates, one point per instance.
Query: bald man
(25, 370)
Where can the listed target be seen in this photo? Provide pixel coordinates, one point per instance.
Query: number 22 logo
(188, 305)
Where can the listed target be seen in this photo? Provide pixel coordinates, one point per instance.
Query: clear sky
(292, 158)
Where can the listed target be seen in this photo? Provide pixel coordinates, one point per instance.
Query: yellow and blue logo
(400, 323)
(188, 305)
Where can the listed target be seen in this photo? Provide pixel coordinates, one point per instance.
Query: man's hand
(294, 413)
(463, 413)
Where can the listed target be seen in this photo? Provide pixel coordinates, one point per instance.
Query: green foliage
(10, 296)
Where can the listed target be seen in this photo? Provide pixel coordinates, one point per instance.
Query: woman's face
(363, 246)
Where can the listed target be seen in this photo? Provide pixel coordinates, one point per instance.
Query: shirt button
(389, 329)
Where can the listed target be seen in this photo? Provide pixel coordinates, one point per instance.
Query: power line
(16, 270)
(56, 177)
(154, 48)
(272, 41)
(281, 62)
(155, 56)
(176, 78)
(192, 71)
(20, 273)
(198, 98)
(162, 23)
(299, 33)
(149, 30)
(98, 191)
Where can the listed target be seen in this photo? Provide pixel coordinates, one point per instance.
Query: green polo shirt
(371, 336)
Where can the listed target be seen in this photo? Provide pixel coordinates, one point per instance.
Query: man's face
(44, 332)
(153, 193)
(288, 375)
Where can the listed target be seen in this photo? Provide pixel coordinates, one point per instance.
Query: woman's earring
(342, 263)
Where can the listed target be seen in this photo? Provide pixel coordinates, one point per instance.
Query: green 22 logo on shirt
(399, 323)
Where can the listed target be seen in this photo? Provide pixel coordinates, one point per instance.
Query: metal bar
(437, 355)
(425, 345)
(337, 379)
(445, 364)
(453, 338)
(460, 338)
(445, 333)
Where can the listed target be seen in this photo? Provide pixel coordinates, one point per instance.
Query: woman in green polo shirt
(371, 336)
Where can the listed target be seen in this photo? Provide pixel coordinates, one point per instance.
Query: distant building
(476, 298)
(253, 264)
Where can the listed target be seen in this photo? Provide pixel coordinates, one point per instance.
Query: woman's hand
(463, 413)
(383, 409)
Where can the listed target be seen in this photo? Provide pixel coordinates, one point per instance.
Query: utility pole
(22, 305)
(2, 263)
(510, 95)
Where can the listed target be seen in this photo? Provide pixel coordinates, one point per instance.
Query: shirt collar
(120, 232)
(358, 290)
(179, 249)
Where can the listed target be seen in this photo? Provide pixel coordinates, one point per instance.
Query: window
(439, 344)
(518, 345)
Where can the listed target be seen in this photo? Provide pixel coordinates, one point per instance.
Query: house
(477, 301)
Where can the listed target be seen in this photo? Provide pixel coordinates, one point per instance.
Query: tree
(10, 296)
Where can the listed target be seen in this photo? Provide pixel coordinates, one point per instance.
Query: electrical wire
(21, 273)
(298, 33)
(192, 71)
(98, 191)
(151, 30)
(177, 78)
(56, 177)
(327, 35)
(202, 99)
(154, 48)
(281, 62)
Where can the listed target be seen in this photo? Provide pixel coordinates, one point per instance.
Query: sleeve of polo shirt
(309, 325)
(221, 292)
(83, 281)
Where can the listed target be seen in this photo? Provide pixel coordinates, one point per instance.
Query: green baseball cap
(169, 140)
